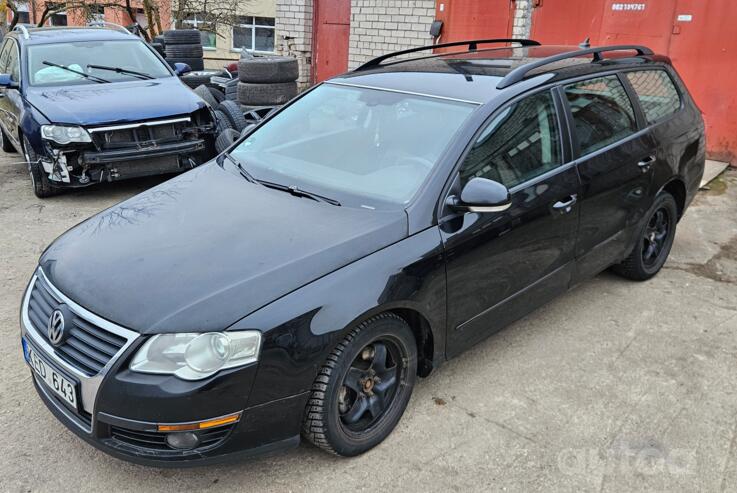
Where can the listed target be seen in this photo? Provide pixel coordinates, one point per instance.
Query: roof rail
(520, 72)
(472, 46)
(109, 25)
(23, 29)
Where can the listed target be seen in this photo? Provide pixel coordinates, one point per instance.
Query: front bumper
(119, 410)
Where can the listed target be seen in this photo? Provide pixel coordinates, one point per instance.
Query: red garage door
(697, 35)
(474, 19)
(331, 28)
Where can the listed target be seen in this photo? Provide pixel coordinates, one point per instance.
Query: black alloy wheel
(655, 237)
(362, 390)
(654, 241)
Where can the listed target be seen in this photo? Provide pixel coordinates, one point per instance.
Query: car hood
(117, 102)
(201, 251)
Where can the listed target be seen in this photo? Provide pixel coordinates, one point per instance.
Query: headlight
(193, 356)
(63, 134)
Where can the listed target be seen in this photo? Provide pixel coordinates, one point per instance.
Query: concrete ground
(615, 386)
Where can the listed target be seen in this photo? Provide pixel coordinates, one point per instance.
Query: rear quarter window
(656, 92)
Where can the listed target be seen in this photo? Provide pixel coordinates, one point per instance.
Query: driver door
(502, 265)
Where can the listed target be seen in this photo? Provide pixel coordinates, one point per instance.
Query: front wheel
(654, 241)
(39, 179)
(363, 388)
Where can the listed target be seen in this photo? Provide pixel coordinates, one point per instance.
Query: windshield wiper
(97, 79)
(245, 174)
(120, 70)
(298, 192)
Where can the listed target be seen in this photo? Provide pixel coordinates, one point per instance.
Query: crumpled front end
(128, 150)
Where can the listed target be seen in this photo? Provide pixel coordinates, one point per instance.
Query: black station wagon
(377, 225)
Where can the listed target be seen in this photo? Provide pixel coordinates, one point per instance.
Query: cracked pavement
(614, 386)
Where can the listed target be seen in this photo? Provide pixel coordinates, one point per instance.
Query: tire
(266, 94)
(194, 63)
(182, 37)
(159, 39)
(654, 241)
(233, 111)
(39, 179)
(221, 122)
(336, 418)
(226, 139)
(217, 94)
(231, 90)
(268, 69)
(184, 51)
(7, 145)
(204, 92)
(199, 77)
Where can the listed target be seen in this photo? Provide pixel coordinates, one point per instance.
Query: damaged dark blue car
(93, 104)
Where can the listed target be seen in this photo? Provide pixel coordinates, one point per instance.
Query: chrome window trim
(89, 386)
(399, 91)
(141, 124)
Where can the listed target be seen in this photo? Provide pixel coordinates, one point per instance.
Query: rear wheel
(363, 388)
(39, 179)
(654, 241)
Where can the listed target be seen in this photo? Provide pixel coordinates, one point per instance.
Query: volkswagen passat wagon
(379, 224)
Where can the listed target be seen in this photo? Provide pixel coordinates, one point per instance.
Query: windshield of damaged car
(46, 62)
(339, 140)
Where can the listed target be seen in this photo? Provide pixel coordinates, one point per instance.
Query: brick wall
(294, 34)
(382, 26)
(522, 19)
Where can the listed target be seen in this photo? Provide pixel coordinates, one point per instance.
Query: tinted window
(656, 92)
(602, 112)
(519, 144)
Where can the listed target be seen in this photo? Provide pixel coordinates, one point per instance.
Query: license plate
(54, 380)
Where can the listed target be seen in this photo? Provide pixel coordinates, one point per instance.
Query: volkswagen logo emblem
(56, 329)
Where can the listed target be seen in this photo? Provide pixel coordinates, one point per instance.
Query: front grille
(148, 134)
(88, 348)
(152, 440)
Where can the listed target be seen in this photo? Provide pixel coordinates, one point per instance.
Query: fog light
(182, 441)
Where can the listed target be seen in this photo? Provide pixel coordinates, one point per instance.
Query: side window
(13, 63)
(602, 112)
(656, 92)
(519, 144)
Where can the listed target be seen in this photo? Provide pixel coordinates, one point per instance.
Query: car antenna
(586, 43)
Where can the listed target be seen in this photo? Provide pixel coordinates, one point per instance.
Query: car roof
(47, 35)
(473, 76)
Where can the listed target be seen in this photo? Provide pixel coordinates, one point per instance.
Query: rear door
(502, 265)
(615, 162)
(11, 101)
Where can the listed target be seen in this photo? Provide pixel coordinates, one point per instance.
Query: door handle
(565, 206)
(645, 163)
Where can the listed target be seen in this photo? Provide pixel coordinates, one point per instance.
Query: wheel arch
(677, 188)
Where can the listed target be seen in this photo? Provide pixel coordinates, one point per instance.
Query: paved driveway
(614, 386)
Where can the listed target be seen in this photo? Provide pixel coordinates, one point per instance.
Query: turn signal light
(202, 425)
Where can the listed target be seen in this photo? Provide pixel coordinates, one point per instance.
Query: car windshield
(64, 63)
(342, 140)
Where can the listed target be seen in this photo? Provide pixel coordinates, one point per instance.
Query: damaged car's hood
(207, 248)
(116, 102)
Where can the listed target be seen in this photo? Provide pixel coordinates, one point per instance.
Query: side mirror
(481, 195)
(7, 82)
(181, 68)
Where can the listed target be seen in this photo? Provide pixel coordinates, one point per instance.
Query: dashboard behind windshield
(131, 55)
(371, 143)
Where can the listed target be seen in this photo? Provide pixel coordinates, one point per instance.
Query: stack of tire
(184, 46)
(268, 80)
